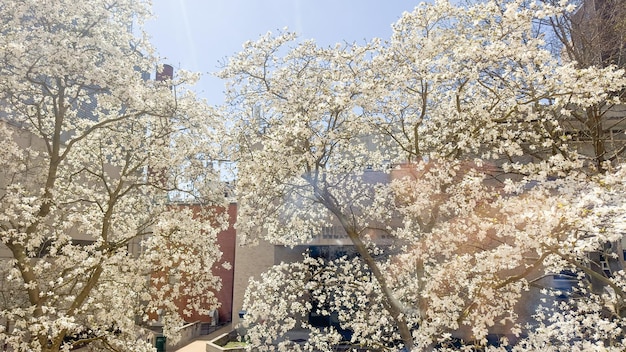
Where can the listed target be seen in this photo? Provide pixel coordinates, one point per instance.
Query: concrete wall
(250, 262)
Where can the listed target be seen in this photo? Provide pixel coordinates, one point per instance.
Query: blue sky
(199, 34)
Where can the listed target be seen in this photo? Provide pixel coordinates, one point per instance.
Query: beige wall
(250, 262)
(24, 140)
(35, 168)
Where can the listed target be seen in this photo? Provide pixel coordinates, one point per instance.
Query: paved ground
(199, 345)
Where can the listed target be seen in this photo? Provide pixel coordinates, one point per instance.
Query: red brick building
(224, 268)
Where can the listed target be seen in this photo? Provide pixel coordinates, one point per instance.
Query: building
(599, 33)
(223, 269)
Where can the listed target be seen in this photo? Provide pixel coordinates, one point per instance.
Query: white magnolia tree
(484, 198)
(90, 150)
(593, 35)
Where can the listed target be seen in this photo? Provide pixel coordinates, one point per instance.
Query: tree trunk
(391, 304)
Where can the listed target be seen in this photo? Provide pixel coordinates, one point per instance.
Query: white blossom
(90, 150)
(442, 155)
